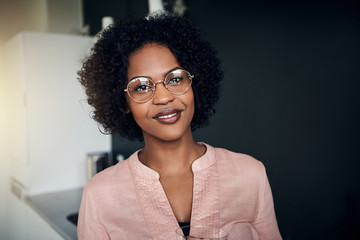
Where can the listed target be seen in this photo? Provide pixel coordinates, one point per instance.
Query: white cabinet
(50, 130)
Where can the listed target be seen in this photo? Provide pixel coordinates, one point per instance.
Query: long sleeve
(265, 223)
(246, 203)
(89, 226)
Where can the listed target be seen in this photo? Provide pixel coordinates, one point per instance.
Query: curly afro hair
(104, 72)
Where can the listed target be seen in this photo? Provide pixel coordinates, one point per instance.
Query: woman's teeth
(168, 116)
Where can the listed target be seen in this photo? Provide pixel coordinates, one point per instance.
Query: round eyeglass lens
(141, 89)
(178, 81)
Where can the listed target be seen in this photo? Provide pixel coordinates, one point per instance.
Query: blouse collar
(145, 172)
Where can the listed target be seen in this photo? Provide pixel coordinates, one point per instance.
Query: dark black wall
(290, 99)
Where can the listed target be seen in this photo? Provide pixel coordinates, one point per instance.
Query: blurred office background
(289, 97)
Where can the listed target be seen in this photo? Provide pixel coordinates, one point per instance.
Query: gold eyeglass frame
(153, 89)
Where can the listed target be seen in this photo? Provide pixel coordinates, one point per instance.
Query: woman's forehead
(152, 60)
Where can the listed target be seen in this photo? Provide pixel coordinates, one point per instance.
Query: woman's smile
(168, 116)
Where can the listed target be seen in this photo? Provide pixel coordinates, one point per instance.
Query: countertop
(54, 209)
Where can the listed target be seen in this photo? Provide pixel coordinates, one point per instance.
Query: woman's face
(165, 116)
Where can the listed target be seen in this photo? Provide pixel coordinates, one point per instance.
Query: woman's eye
(175, 80)
(142, 88)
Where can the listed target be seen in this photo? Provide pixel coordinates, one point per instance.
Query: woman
(157, 80)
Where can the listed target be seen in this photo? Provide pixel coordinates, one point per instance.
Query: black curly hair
(104, 72)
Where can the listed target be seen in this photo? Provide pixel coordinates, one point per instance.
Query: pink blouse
(127, 201)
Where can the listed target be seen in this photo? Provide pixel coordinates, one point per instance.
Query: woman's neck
(171, 157)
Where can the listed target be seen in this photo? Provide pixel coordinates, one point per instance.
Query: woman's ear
(127, 110)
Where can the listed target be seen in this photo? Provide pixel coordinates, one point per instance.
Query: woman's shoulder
(239, 168)
(109, 177)
(237, 161)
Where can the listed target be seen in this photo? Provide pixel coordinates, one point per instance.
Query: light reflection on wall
(17, 16)
(4, 165)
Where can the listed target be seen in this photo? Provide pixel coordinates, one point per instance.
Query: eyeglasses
(142, 89)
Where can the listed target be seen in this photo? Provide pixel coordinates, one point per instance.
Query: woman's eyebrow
(171, 70)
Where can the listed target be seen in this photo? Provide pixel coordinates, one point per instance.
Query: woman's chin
(166, 136)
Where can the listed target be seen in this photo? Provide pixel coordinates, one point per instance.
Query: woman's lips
(168, 116)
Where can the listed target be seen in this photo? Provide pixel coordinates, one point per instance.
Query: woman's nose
(162, 95)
